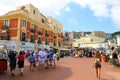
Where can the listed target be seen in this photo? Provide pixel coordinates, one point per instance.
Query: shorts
(41, 61)
(20, 63)
(97, 65)
(12, 65)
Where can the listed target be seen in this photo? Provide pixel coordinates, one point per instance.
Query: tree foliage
(116, 33)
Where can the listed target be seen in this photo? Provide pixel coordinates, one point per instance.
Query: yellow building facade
(98, 34)
(27, 24)
(89, 41)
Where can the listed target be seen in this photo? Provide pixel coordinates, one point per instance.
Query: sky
(75, 15)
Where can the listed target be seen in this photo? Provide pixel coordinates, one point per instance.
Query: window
(43, 21)
(78, 44)
(59, 43)
(46, 42)
(32, 26)
(54, 43)
(46, 32)
(91, 40)
(57, 29)
(54, 34)
(31, 38)
(33, 11)
(23, 36)
(39, 41)
(23, 23)
(23, 8)
(6, 22)
(54, 27)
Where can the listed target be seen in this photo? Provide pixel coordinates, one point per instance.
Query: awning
(54, 47)
(3, 31)
(64, 49)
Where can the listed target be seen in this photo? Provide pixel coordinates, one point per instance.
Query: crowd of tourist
(44, 57)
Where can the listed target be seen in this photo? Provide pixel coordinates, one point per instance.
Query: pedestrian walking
(46, 58)
(58, 55)
(114, 56)
(50, 57)
(12, 60)
(32, 61)
(41, 59)
(21, 62)
(97, 63)
(119, 57)
(54, 59)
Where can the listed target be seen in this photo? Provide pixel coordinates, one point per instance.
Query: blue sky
(75, 15)
(83, 19)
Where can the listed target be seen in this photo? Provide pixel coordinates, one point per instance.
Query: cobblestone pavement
(67, 69)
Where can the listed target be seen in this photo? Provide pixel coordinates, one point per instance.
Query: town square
(60, 40)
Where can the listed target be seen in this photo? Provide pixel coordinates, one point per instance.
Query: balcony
(32, 40)
(5, 27)
(54, 44)
(47, 35)
(39, 42)
(23, 39)
(54, 37)
(32, 30)
(40, 33)
(61, 36)
(46, 43)
(5, 36)
(59, 44)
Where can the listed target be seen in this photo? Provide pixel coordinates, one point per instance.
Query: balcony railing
(32, 40)
(59, 44)
(46, 43)
(23, 39)
(40, 33)
(32, 30)
(54, 37)
(39, 42)
(54, 44)
(47, 35)
(5, 27)
(5, 36)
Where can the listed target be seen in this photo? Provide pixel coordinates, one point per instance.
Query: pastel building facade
(89, 41)
(27, 26)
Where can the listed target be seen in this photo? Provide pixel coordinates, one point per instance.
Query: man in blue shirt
(12, 60)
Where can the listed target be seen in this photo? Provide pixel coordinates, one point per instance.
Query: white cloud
(47, 7)
(103, 8)
(68, 9)
(115, 15)
(72, 22)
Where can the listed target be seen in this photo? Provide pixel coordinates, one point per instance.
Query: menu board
(3, 65)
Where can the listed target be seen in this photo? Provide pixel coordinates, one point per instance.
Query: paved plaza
(67, 69)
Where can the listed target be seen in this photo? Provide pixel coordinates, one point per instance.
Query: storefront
(26, 46)
(3, 58)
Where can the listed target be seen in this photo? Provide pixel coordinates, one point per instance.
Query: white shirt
(54, 56)
(41, 55)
